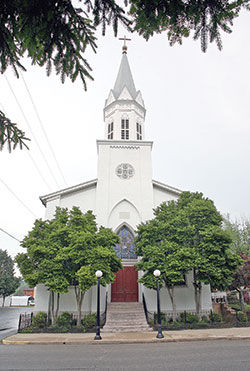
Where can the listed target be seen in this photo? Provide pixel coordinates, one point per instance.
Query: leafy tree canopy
(186, 235)
(56, 33)
(179, 18)
(68, 250)
(240, 235)
(241, 278)
(8, 282)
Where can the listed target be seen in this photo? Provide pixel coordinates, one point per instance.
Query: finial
(124, 48)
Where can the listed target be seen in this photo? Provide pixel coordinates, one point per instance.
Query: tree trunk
(79, 301)
(172, 298)
(242, 304)
(49, 307)
(57, 303)
(197, 295)
(52, 308)
(3, 301)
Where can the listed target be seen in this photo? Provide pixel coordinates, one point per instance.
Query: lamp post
(98, 336)
(157, 274)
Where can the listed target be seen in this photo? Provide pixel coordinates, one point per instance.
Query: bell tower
(124, 111)
(124, 188)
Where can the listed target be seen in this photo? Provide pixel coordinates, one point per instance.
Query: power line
(44, 132)
(9, 234)
(39, 171)
(53, 176)
(26, 207)
(31, 158)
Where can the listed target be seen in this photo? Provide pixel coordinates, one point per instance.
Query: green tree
(239, 233)
(67, 250)
(241, 279)
(88, 250)
(187, 235)
(205, 19)
(214, 262)
(39, 264)
(8, 282)
(56, 33)
(158, 251)
(10, 135)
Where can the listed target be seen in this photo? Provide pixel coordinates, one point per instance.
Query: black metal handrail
(104, 314)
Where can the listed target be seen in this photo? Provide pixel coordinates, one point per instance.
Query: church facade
(122, 196)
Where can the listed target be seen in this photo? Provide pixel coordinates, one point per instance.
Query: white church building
(122, 196)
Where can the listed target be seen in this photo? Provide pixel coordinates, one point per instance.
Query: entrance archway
(125, 287)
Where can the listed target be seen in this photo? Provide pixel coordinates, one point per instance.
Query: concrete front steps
(125, 317)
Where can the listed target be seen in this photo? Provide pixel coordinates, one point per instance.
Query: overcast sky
(197, 116)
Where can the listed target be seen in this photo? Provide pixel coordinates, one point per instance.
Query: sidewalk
(131, 337)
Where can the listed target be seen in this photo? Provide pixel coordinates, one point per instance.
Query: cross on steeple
(124, 48)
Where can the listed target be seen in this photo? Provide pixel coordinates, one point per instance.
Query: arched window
(126, 248)
(138, 131)
(110, 130)
(125, 127)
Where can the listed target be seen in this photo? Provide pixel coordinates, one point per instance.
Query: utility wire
(1, 229)
(2, 107)
(53, 176)
(39, 171)
(26, 207)
(44, 132)
(32, 160)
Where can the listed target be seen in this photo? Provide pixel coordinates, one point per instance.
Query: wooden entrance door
(125, 287)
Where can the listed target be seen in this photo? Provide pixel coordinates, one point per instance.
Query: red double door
(125, 287)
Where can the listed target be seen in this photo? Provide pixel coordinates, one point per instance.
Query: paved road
(9, 317)
(190, 356)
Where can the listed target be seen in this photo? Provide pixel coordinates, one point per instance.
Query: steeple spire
(124, 111)
(124, 78)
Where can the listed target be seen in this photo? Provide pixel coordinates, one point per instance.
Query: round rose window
(125, 171)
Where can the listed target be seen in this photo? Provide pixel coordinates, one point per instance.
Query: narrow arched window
(138, 131)
(126, 248)
(125, 128)
(110, 130)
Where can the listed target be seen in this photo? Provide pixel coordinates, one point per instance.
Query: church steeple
(124, 111)
(124, 79)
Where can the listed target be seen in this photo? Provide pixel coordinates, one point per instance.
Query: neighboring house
(29, 292)
(122, 196)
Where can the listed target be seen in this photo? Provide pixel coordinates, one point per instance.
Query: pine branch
(10, 135)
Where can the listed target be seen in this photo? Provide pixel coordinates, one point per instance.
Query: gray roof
(67, 191)
(124, 78)
(166, 187)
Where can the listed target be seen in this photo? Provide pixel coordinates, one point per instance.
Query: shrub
(232, 297)
(215, 317)
(39, 320)
(247, 307)
(242, 317)
(175, 325)
(89, 321)
(27, 330)
(163, 317)
(63, 320)
(235, 306)
(204, 319)
(190, 318)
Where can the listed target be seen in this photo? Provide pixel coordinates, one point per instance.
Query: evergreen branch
(10, 135)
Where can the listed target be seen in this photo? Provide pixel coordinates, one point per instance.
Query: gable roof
(67, 191)
(166, 188)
